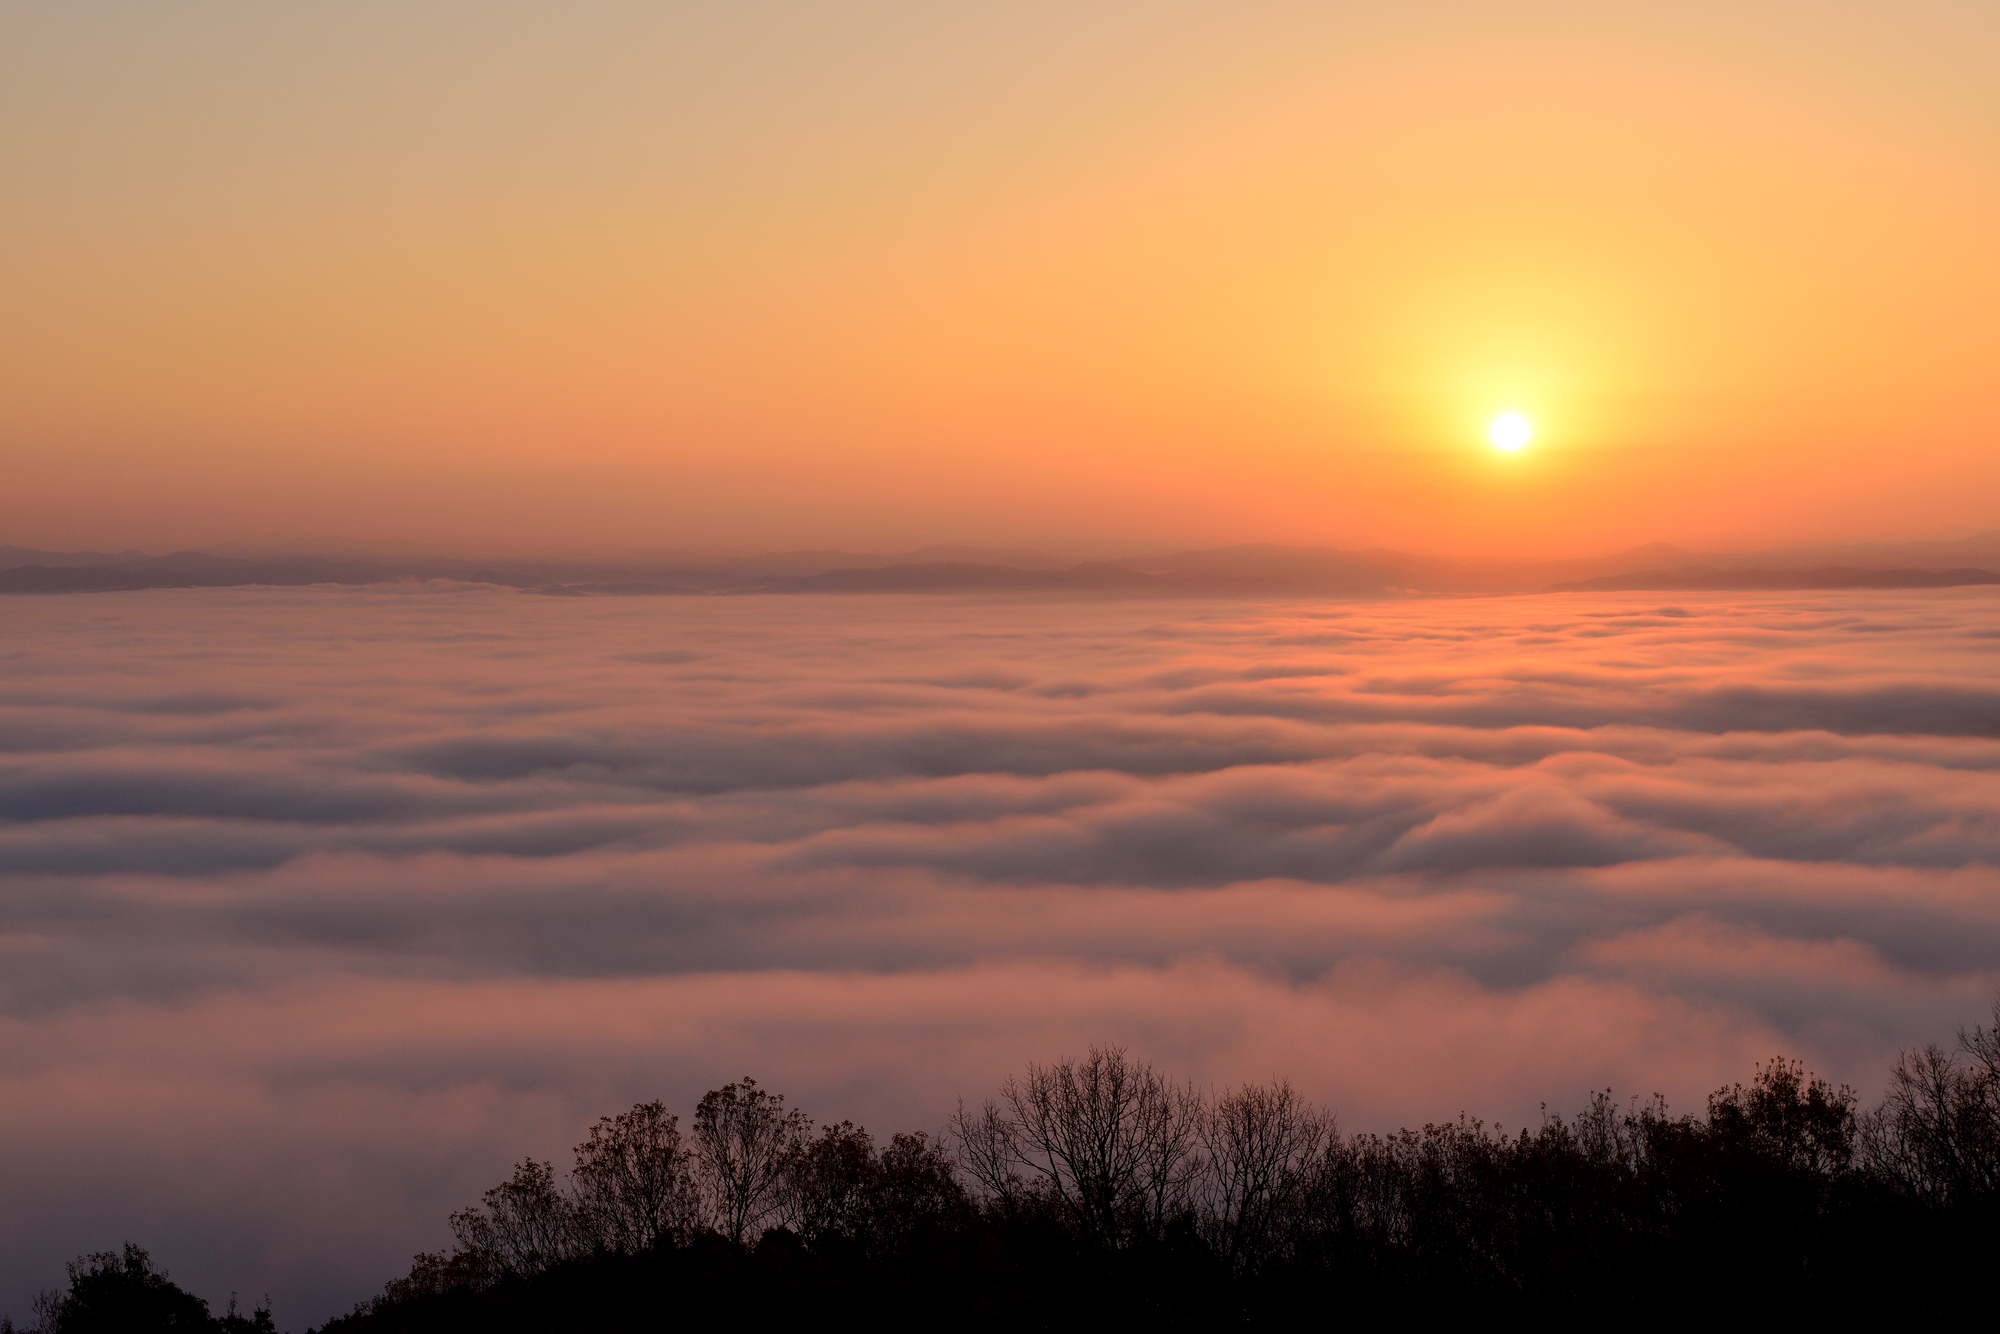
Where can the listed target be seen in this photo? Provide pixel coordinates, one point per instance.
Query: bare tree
(744, 1139)
(1607, 1135)
(635, 1189)
(987, 1147)
(1109, 1139)
(47, 1306)
(527, 1224)
(1937, 1132)
(1261, 1148)
(1982, 1044)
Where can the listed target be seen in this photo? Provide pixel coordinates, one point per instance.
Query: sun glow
(1510, 431)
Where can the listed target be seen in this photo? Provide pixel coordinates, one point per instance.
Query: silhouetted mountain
(966, 577)
(1981, 549)
(1254, 569)
(1699, 578)
(805, 564)
(1021, 558)
(191, 569)
(621, 588)
(796, 564)
(70, 579)
(13, 556)
(1244, 570)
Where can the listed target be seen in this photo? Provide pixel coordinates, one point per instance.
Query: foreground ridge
(1099, 1191)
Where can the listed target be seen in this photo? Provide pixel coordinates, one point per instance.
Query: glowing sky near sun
(623, 276)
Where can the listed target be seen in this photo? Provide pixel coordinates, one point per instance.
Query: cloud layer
(323, 905)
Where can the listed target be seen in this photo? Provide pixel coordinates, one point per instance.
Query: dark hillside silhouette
(1101, 1192)
(121, 1293)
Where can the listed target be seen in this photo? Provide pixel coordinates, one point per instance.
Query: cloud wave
(322, 905)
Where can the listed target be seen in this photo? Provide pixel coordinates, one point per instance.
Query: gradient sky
(1095, 276)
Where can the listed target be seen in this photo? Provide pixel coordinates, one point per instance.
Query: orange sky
(611, 277)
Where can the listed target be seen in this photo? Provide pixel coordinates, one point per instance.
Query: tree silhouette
(635, 1189)
(744, 1140)
(527, 1224)
(1098, 1191)
(1109, 1139)
(1261, 1147)
(120, 1292)
(829, 1184)
(1937, 1133)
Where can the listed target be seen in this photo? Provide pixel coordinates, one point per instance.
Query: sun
(1510, 430)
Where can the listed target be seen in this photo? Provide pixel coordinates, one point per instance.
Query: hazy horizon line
(333, 547)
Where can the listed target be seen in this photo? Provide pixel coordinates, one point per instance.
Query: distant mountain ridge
(1702, 578)
(1243, 570)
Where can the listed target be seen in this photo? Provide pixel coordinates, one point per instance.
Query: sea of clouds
(320, 907)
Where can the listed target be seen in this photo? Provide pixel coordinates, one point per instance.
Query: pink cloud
(322, 906)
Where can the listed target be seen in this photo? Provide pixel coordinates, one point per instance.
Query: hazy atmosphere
(558, 556)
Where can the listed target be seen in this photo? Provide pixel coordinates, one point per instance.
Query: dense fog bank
(363, 894)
